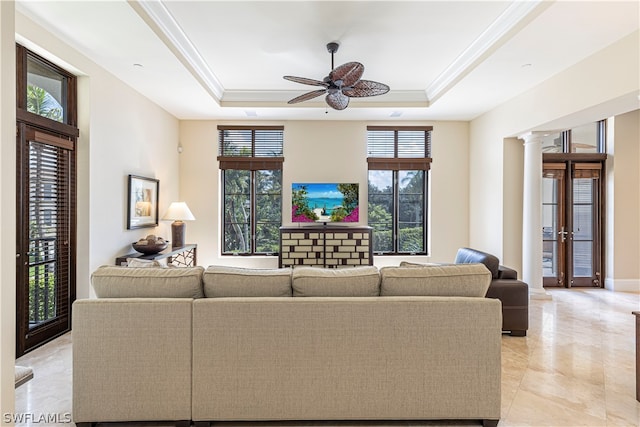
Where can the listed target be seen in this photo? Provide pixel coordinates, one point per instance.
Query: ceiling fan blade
(306, 81)
(307, 96)
(349, 73)
(366, 88)
(337, 100)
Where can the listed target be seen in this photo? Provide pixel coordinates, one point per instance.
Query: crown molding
(507, 24)
(515, 17)
(160, 20)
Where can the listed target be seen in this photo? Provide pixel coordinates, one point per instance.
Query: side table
(181, 256)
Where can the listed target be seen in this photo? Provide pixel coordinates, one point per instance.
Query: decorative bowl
(150, 248)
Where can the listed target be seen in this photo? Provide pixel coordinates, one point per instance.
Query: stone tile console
(326, 246)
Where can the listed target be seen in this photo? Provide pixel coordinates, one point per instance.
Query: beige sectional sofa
(194, 345)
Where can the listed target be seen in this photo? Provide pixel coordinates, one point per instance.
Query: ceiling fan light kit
(342, 83)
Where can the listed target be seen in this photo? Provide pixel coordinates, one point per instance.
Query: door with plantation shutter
(572, 207)
(45, 236)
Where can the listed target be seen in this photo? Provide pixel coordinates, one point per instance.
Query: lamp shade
(178, 211)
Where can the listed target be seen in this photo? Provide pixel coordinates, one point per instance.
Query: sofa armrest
(514, 295)
(507, 273)
(132, 359)
(510, 292)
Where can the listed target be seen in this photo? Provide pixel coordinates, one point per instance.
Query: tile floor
(576, 367)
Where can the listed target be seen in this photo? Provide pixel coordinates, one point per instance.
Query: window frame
(566, 142)
(252, 163)
(70, 126)
(396, 165)
(59, 140)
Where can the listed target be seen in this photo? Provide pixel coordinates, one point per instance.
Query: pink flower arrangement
(298, 218)
(353, 216)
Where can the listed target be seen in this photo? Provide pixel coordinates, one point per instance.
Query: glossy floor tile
(576, 367)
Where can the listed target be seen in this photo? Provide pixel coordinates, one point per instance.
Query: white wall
(325, 151)
(7, 209)
(602, 85)
(121, 133)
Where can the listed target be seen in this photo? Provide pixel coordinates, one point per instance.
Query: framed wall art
(142, 206)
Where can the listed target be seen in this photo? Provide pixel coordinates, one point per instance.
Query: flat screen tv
(324, 202)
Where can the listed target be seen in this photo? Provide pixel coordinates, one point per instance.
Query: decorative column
(532, 216)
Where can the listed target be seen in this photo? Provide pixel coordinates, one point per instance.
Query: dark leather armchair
(505, 286)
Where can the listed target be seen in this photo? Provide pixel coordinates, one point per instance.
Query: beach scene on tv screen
(324, 202)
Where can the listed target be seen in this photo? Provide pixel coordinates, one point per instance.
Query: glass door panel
(585, 226)
(553, 231)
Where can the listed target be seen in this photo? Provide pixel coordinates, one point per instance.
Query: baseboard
(622, 285)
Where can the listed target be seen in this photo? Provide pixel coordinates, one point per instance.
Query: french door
(45, 254)
(572, 223)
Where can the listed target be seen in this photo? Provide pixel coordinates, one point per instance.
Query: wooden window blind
(587, 170)
(554, 170)
(250, 148)
(402, 148)
(50, 225)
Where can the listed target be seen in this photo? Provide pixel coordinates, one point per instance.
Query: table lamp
(178, 212)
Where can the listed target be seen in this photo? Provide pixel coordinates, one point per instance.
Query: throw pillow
(143, 263)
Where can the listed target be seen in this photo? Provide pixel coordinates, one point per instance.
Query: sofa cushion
(221, 281)
(420, 264)
(329, 282)
(143, 282)
(148, 263)
(464, 280)
(473, 256)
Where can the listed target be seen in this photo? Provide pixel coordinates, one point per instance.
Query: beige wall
(325, 151)
(602, 85)
(623, 203)
(7, 210)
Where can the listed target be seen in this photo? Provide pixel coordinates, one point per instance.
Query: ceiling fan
(341, 84)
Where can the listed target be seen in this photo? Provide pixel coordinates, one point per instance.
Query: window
(586, 139)
(45, 89)
(398, 161)
(251, 160)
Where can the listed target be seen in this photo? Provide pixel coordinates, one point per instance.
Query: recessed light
(395, 114)
(138, 65)
(527, 65)
(251, 113)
